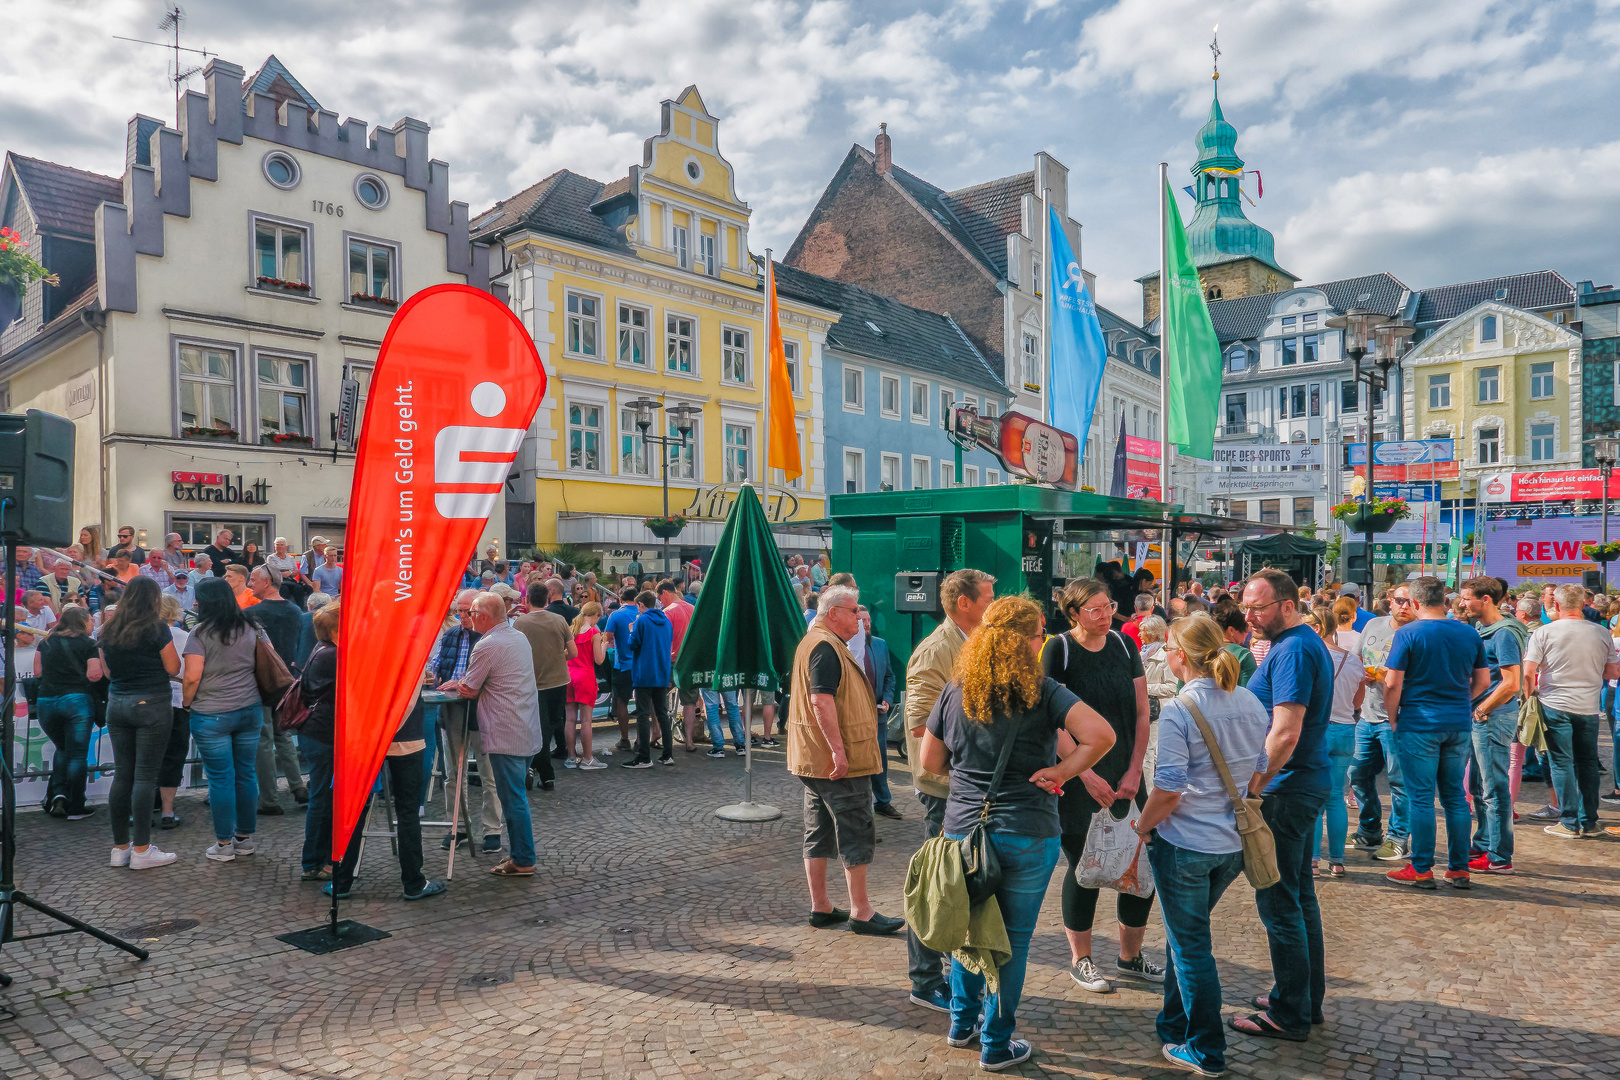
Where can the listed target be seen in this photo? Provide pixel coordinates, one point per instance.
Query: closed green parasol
(745, 628)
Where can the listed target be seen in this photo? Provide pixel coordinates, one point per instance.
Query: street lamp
(682, 417)
(1605, 452)
(1357, 324)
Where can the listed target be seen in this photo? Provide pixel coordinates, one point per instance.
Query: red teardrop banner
(455, 387)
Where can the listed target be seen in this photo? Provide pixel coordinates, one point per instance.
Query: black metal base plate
(320, 939)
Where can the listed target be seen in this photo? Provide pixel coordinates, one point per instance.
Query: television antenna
(173, 15)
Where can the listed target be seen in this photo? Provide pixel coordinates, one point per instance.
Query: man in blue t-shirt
(617, 628)
(1295, 685)
(1435, 671)
(1496, 721)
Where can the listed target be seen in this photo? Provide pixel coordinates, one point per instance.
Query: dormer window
(1487, 328)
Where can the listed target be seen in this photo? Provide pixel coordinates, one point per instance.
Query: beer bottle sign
(1025, 445)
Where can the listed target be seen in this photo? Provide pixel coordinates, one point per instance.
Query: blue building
(891, 375)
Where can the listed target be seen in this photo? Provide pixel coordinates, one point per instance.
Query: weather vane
(1215, 50)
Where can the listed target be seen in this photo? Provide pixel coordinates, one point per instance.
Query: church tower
(1235, 257)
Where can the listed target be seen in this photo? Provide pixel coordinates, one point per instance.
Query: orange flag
(784, 435)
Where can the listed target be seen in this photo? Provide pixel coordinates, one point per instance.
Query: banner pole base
(748, 811)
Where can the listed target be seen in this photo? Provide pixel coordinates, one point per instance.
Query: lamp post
(1605, 453)
(1355, 325)
(682, 418)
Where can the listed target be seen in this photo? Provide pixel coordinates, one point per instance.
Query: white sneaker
(120, 856)
(591, 763)
(220, 852)
(571, 763)
(152, 856)
(1088, 977)
(243, 847)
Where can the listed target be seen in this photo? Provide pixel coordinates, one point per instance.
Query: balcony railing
(1247, 428)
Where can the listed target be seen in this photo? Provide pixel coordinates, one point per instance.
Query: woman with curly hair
(998, 694)
(1103, 668)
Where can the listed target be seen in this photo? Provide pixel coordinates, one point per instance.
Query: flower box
(374, 301)
(1369, 522)
(665, 528)
(1602, 553)
(280, 285)
(210, 434)
(289, 439)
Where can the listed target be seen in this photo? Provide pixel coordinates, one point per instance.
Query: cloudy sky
(1442, 141)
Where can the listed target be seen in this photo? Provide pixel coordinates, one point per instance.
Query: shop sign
(219, 488)
(713, 503)
(1410, 554)
(1405, 452)
(1280, 454)
(1543, 486)
(1246, 483)
(1540, 550)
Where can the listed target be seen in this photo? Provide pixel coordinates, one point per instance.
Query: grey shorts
(689, 697)
(761, 698)
(838, 819)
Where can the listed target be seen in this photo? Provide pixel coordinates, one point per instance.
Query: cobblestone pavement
(658, 941)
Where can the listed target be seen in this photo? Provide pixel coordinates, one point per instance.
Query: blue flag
(1078, 351)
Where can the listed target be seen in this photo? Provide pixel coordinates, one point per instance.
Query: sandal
(1263, 1003)
(1336, 869)
(508, 868)
(1262, 1027)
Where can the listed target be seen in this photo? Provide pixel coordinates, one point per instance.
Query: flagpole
(767, 372)
(1166, 562)
(1046, 305)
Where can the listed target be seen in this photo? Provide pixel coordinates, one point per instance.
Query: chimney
(885, 155)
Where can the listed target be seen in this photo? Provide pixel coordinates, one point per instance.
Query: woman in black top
(251, 555)
(139, 654)
(997, 693)
(67, 663)
(317, 735)
(1102, 667)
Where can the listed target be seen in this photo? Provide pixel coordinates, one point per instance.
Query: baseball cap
(319, 540)
(1349, 588)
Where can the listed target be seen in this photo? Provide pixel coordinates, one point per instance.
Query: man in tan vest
(963, 596)
(833, 749)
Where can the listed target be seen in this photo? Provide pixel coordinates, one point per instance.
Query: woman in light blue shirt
(1192, 835)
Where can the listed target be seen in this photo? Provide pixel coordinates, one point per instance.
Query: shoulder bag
(981, 869)
(1259, 846)
(269, 669)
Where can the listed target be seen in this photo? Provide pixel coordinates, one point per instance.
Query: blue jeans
(1375, 752)
(1289, 910)
(511, 770)
(880, 781)
(1189, 885)
(1488, 782)
(1432, 761)
(1026, 870)
(1572, 750)
(716, 702)
(1341, 748)
(67, 720)
(229, 745)
(318, 825)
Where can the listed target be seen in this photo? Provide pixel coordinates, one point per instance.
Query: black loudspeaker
(36, 478)
(1592, 579)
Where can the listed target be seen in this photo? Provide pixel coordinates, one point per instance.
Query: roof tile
(1533, 291)
(63, 199)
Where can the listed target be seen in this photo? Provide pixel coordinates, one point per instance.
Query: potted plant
(281, 284)
(209, 434)
(18, 270)
(1602, 552)
(291, 438)
(1373, 515)
(377, 301)
(665, 528)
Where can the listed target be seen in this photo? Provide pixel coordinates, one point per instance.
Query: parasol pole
(748, 809)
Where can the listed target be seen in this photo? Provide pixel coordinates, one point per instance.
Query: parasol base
(748, 811)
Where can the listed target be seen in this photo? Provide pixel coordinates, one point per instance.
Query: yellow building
(645, 287)
(1506, 385)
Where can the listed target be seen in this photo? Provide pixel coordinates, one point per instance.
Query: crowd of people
(1040, 721)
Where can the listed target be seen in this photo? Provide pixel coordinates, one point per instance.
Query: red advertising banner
(1142, 479)
(1145, 447)
(1439, 470)
(456, 385)
(1562, 484)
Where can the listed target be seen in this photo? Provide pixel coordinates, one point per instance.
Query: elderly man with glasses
(1375, 741)
(833, 750)
(460, 719)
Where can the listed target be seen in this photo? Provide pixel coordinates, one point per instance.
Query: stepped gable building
(215, 296)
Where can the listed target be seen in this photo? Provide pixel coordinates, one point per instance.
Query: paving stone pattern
(658, 942)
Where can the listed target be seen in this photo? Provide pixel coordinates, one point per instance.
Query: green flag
(1190, 354)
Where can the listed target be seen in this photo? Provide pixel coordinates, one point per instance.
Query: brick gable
(865, 231)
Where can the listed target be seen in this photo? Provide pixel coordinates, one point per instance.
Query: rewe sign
(1541, 551)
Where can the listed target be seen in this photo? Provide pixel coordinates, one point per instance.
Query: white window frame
(885, 463)
(1030, 359)
(947, 474)
(627, 429)
(790, 354)
(750, 446)
(291, 225)
(1495, 444)
(680, 469)
(674, 337)
(926, 465)
(679, 238)
(1533, 439)
(854, 485)
(602, 407)
(992, 477)
(884, 384)
(970, 476)
(947, 403)
(728, 351)
(1439, 386)
(991, 408)
(706, 250)
(1548, 380)
(858, 406)
(308, 392)
(394, 258)
(1494, 378)
(925, 386)
(236, 352)
(573, 320)
(623, 326)
(1496, 329)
